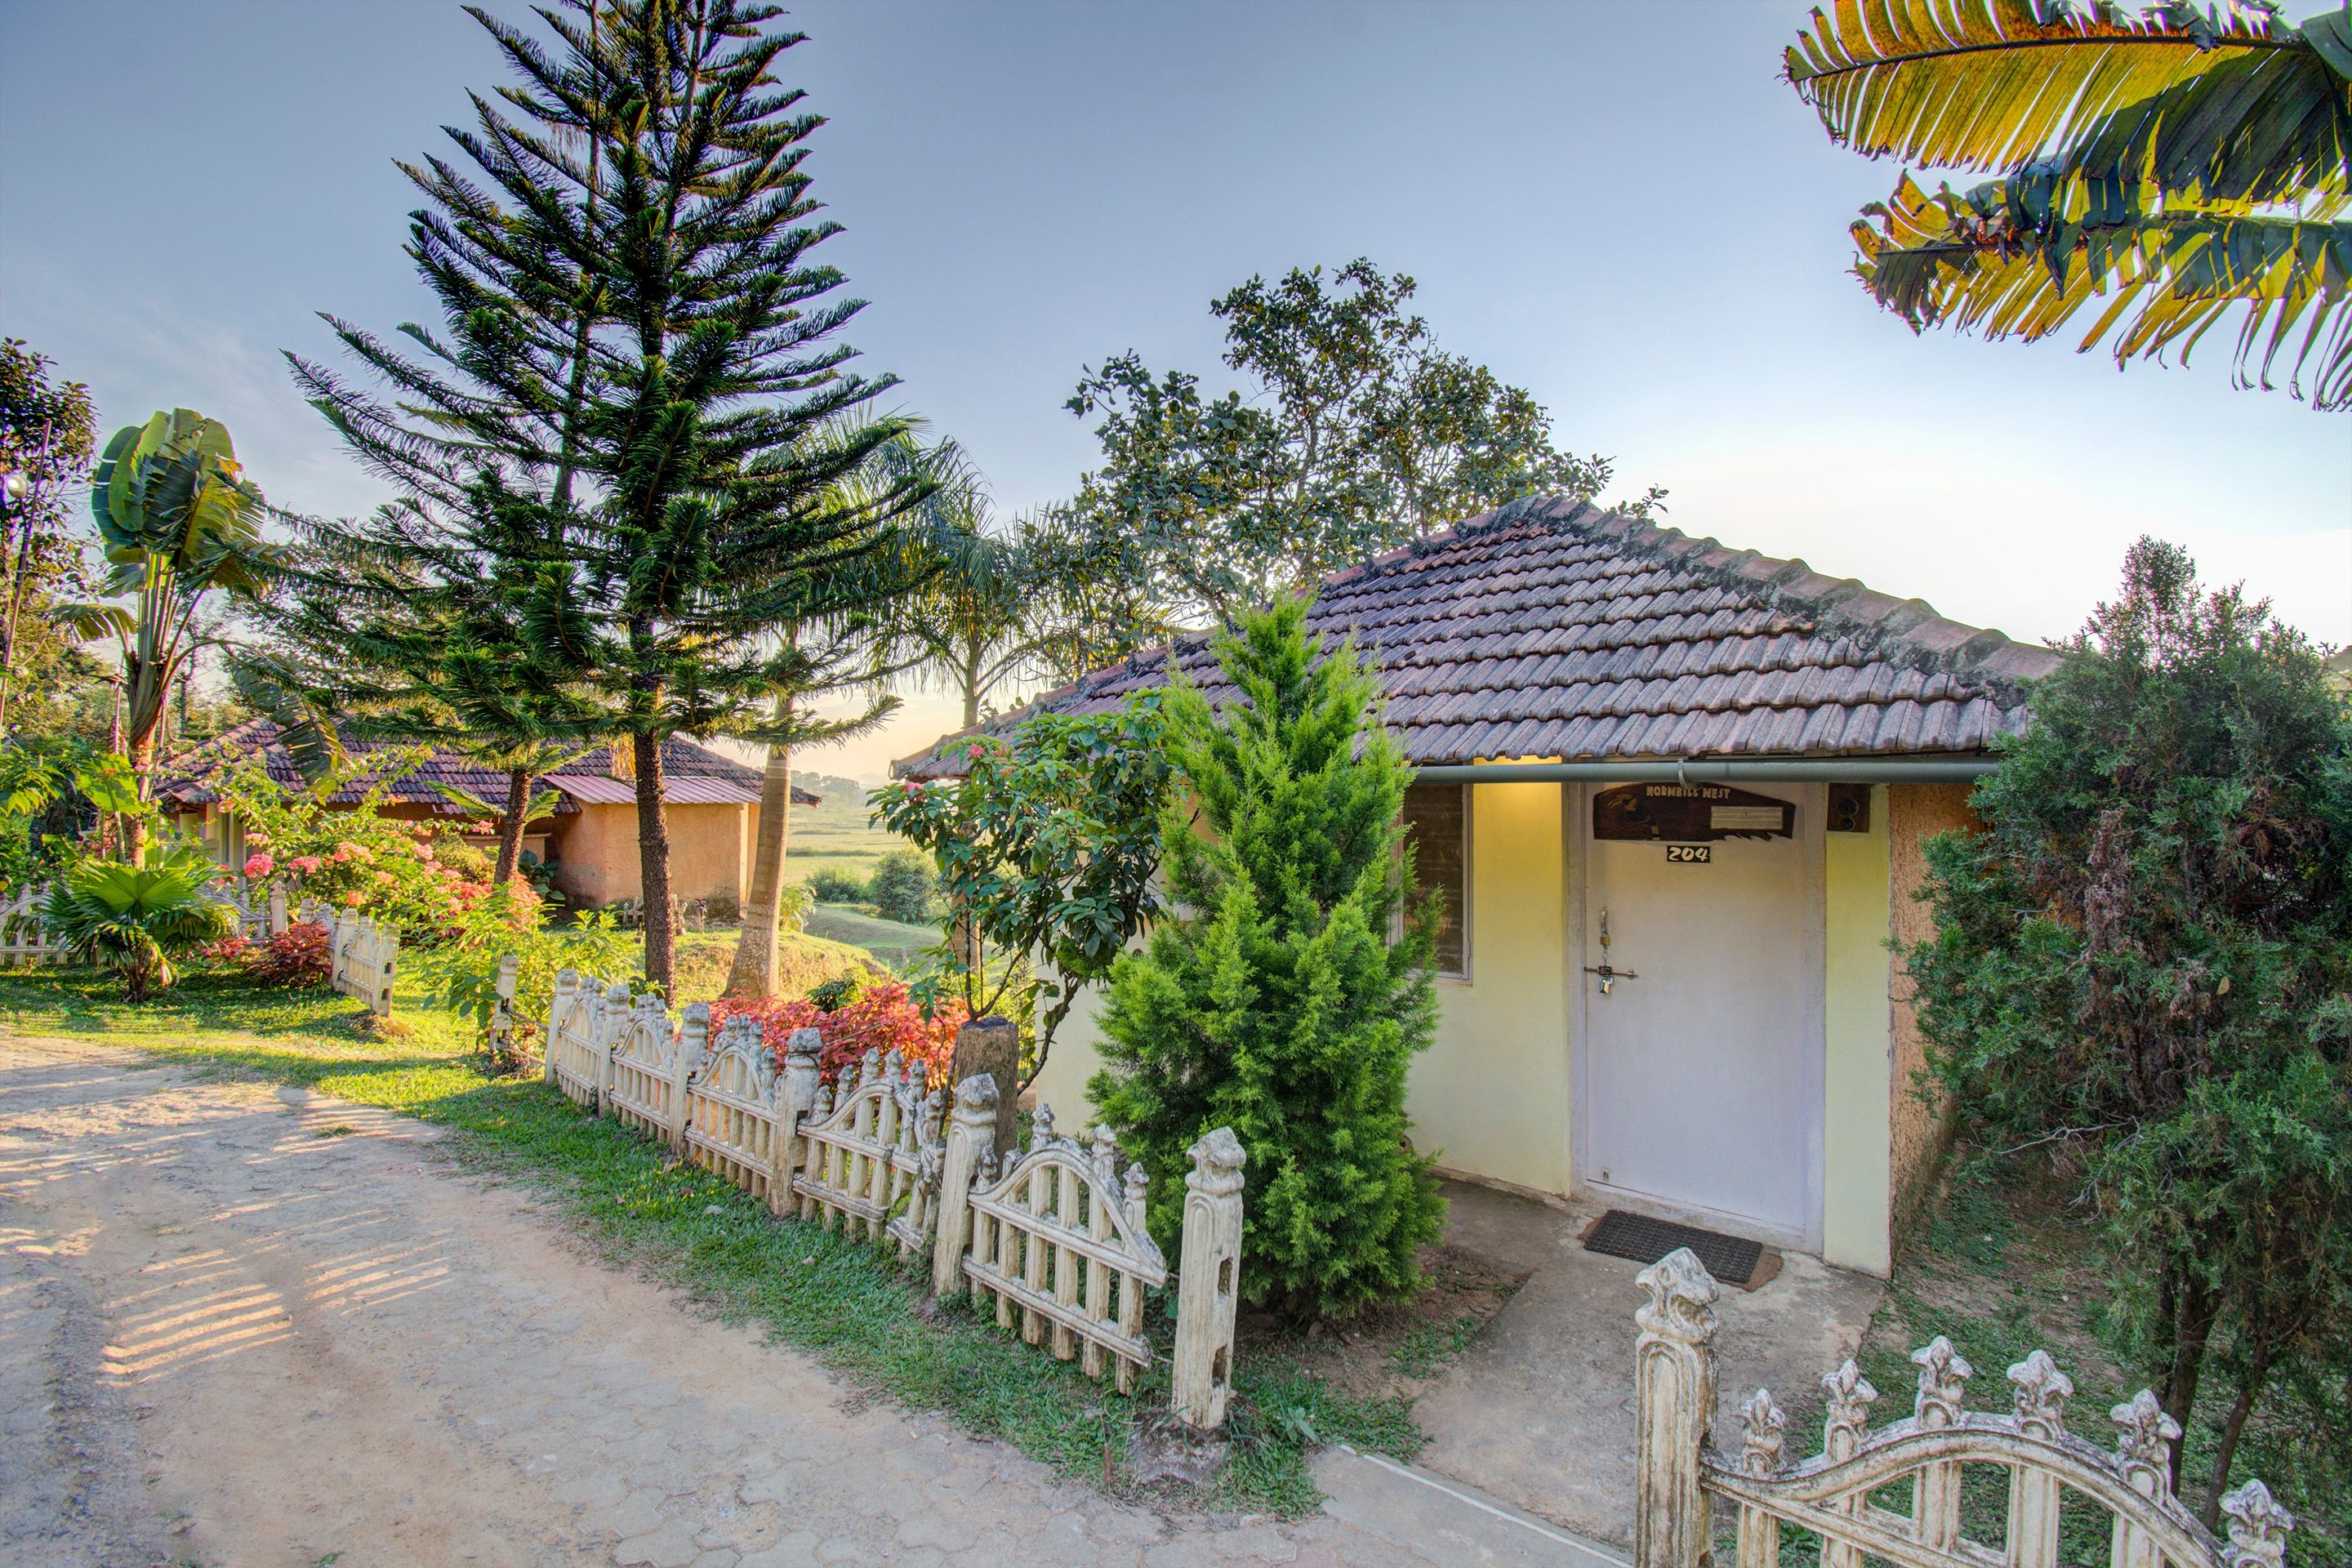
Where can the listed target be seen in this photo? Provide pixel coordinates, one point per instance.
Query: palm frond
(2235, 105)
(2022, 257)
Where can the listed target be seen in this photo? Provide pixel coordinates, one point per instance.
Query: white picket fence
(1055, 1237)
(1679, 1475)
(366, 957)
(25, 938)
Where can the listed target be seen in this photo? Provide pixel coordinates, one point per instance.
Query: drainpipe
(1721, 770)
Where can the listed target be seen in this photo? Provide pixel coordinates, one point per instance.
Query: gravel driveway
(246, 1325)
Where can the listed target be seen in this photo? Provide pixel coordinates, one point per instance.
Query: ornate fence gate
(1679, 1475)
(1055, 1238)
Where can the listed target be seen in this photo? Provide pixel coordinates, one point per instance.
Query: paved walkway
(240, 1325)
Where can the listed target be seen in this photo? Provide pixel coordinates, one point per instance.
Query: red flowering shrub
(884, 1018)
(230, 949)
(298, 955)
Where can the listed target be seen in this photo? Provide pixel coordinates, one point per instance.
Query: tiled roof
(692, 774)
(1550, 630)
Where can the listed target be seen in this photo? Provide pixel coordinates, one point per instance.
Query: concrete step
(1441, 1521)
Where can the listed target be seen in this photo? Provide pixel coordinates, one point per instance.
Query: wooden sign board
(1689, 813)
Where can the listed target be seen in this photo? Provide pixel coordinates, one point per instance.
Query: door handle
(1609, 976)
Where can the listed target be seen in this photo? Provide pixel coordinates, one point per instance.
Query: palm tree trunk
(753, 973)
(653, 865)
(143, 763)
(510, 827)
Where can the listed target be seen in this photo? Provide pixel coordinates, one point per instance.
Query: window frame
(1462, 917)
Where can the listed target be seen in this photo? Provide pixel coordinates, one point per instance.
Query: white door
(1701, 1070)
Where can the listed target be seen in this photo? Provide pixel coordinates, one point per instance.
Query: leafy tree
(904, 886)
(1046, 845)
(49, 788)
(2170, 166)
(639, 362)
(46, 435)
(1357, 434)
(971, 630)
(139, 920)
(1278, 1003)
(177, 518)
(2145, 957)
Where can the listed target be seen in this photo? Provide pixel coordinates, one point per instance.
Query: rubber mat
(1731, 1259)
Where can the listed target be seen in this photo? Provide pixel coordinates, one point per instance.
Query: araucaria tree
(2145, 960)
(641, 358)
(1280, 1001)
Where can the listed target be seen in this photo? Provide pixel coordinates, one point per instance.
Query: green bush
(137, 922)
(832, 885)
(1277, 1005)
(2144, 962)
(904, 888)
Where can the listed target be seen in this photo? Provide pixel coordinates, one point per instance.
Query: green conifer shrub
(1275, 1000)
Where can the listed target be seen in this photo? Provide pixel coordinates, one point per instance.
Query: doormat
(1732, 1259)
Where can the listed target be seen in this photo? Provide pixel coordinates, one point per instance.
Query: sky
(1619, 208)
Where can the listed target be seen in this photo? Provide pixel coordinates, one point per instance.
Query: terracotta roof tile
(1550, 629)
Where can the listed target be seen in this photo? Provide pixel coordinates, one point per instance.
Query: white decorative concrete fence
(23, 936)
(1056, 1239)
(1680, 1475)
(366, 959)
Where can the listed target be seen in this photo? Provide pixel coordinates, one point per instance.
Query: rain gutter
(1721, 770)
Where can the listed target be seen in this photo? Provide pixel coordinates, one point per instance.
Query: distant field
(836, 834)
(891, 943)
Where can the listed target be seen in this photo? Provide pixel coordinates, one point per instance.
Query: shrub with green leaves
(832, 885)
(1276, 1003)
(140, 921)
(462, 972)
(904, 888)
(2144, 963)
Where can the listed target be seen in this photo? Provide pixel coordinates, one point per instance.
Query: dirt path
(240, 1325)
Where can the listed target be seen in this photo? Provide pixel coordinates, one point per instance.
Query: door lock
(1609, 976)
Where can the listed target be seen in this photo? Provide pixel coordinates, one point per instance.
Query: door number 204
(1689, 854)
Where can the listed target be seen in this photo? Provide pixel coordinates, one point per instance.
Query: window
(1437, 822)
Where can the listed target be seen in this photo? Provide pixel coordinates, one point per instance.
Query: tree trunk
(2224, 1456)
(510, 827)
(753, 973)
(2193, 1325)
(143, 763)
(653, 866)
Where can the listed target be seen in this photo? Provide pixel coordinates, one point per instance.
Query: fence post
(383, 970)
(1674, 1405)
(795, 1098)
(559, 1013)
(611, 1028)
(992, 1045)
(277, 909)
(972, 1130)
(693, 1044)
(1208, 1282)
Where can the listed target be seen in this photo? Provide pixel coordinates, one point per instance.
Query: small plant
(832, 885)
(302, 954)
(904, 888)
(231, 952)
(835, 993)
(139, 920)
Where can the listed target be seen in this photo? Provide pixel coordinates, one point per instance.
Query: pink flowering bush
(419, 877)
(883, 1018)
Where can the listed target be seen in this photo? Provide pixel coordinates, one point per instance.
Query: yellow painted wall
(1857, 1185)
(1490, 1097)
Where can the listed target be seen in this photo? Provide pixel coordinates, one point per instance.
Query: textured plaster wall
(1857, 1177)
(1921, 1132)
(1490, 1097)
(596, 853)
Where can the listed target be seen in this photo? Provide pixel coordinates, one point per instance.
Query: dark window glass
(1437, 818)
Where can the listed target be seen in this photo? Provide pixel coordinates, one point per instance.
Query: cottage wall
(1921, 1124)
(596, 854)
(1857, 1179)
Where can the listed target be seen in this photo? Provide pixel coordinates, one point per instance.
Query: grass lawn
(843, 1301)
(2004, 1270)
(893, 943)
